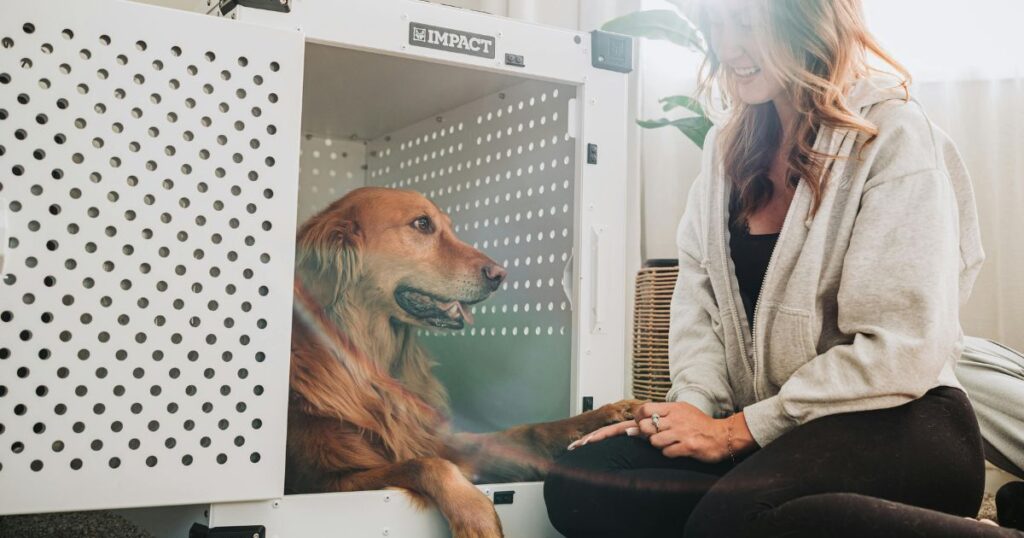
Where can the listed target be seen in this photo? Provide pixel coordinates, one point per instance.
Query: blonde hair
(817, 49)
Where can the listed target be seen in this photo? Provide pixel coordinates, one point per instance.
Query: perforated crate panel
(149, 161)
(503, 168)
(330, 167)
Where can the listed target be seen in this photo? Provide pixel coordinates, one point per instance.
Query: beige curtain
(986, 119)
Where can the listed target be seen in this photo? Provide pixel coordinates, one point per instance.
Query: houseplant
(673, 26)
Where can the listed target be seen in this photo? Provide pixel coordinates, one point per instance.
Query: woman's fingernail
(632, 431)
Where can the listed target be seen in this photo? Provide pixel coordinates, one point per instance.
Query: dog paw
(619, 411)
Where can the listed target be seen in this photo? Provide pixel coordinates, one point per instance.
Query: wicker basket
(654, 285)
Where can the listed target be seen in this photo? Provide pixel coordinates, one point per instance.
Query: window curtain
(967, 59)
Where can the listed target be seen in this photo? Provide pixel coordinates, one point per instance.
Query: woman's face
(732, 41)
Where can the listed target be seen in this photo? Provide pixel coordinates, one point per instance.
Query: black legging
(854, 474)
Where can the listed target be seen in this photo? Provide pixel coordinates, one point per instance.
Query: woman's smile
(746, 73)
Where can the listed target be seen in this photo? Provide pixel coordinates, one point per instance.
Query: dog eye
(423, 224)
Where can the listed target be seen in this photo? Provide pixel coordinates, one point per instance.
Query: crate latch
(504, 497)
(199, 530)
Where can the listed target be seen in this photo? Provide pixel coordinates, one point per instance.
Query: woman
(824, 253)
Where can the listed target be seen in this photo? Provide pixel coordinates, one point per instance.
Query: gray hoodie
(859, 308)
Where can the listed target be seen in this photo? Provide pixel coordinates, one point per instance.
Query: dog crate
(154, 165)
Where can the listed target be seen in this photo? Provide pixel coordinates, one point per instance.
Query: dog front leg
(469, 512)
(524, 453)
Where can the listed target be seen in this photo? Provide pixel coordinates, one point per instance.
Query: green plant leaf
(695, 128)
(663, 24)
(683, 101)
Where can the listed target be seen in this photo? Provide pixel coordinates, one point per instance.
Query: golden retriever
(365, 411)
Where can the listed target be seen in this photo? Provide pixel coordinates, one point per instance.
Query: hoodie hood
(872, 90)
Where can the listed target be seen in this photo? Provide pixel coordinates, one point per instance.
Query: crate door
(148, 162)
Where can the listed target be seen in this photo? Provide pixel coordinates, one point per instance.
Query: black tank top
(750, 254)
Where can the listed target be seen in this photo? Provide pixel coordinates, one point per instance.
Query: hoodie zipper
(760, 293)
(729, 290)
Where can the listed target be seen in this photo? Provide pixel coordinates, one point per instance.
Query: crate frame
(603, 198)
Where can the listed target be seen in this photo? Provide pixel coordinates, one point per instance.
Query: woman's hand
(683, 430)
(627, 427)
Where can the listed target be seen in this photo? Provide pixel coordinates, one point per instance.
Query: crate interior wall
(502, 166)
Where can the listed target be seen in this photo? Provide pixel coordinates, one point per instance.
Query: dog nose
(495, 275)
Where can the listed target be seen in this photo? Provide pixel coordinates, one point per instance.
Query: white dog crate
(154, 164)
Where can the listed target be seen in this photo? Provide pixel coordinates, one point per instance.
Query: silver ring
(655, 419)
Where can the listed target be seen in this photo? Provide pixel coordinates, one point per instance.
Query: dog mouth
(433, 310)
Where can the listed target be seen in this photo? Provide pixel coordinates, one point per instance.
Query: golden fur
(365, 410)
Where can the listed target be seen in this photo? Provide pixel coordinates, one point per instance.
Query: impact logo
(435, 37)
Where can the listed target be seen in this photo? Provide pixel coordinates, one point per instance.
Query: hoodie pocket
(789, 344)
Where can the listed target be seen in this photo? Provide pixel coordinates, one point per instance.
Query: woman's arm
(695, 341)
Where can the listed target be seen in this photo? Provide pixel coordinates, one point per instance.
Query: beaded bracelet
(728, 438)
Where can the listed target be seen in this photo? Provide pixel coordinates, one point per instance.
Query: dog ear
(327, 257)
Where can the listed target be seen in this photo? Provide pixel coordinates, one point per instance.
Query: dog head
(394, 252)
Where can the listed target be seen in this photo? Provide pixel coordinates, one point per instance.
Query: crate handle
(596, 319)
